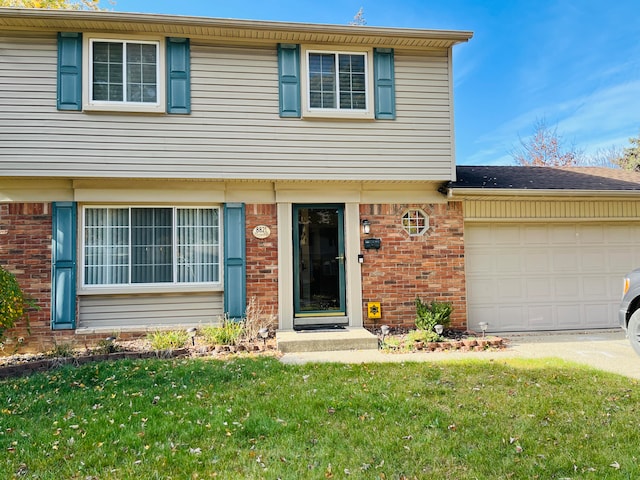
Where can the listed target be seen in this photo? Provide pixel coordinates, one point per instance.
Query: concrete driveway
(607, 350)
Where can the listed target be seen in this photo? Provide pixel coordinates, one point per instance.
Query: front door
(319, 280)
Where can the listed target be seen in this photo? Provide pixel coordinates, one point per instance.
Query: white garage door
(541, 276)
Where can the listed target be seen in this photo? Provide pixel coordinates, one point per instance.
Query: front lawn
(257, 418)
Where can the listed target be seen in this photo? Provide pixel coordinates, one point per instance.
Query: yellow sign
(373, 310)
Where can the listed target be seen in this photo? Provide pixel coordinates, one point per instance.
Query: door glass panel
(320, 260)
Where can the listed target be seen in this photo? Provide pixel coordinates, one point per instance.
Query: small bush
(226, 334)
(423, 336)
(13, 303)
(168, 340)
(62, 350)
(256, 318)
(428, 315)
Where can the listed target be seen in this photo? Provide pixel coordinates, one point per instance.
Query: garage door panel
(594, 260)
(506, 235)
(479, 262)
(596, 314)
(562, 234)
(478, 237)
(565, 260)
(591, 234)
(508, 262)
(536, 260)
(566, 287)
(507, 319)
(540, 317)
(536, 235)
(548, 276)
(568, 316)
(620, 234)
(538, 287)
(484, 314)
(623, 258)
(509, 289)
(595, 286)
(483, 290)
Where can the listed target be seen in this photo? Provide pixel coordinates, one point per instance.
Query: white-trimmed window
(149, 246)
(124, 74)
(415, 222)
(338, 83)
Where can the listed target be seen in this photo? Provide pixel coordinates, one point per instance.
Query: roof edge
(453, 36)
(466, 193)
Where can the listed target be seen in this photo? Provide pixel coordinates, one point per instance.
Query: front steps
(290, 341)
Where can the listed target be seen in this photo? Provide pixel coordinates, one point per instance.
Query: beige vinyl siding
(148, 311)
(550, 210)
(234, 130)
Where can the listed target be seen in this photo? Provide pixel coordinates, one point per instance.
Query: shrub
(168, 340)
(226, 334)
(428, 315)
(13, 304)
(62, 350)
(423, 336)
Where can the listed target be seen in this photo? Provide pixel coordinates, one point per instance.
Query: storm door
(319, 277)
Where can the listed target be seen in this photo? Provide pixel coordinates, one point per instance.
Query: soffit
(227, 29)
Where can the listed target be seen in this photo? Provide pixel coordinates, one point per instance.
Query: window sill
(123, 108)
(338, 115)
(130, 290)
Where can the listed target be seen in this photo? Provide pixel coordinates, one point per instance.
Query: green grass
(257, 418)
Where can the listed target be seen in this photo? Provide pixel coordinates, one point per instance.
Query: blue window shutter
(235, 259)
(289, 79)
(178, 76)
(63, 284)
(384, 84)
(69, 95)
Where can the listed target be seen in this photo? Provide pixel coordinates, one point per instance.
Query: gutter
(477, 193)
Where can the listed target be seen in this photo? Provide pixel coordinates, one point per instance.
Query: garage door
(540, 276)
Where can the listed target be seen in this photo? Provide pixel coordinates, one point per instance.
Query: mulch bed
(24, 364)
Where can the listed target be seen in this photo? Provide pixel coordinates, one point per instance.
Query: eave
(226, 29)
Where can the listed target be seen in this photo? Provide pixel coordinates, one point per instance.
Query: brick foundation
(429, 266)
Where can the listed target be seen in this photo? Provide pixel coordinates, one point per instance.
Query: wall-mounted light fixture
(366, 227)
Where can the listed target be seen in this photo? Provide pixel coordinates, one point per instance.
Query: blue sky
(575, 63)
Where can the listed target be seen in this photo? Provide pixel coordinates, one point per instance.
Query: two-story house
(164, 170)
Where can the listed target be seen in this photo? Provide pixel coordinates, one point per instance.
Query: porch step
(326, 340)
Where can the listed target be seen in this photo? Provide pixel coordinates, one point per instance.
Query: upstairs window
(337, 81)
(338, 84)
(125, 74)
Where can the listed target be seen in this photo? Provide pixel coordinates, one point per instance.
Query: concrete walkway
(607, 350)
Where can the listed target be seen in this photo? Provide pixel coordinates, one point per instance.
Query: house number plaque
(261, 232)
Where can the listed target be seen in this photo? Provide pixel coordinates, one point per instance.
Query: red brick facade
(25, 251)
(262, 258)
(430, 266)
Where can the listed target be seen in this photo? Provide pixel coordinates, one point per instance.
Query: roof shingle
(545, 178)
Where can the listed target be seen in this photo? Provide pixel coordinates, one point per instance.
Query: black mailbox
(372, 243)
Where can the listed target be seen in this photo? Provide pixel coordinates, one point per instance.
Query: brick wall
(25, 251)
(430, 266)
(262, 258)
